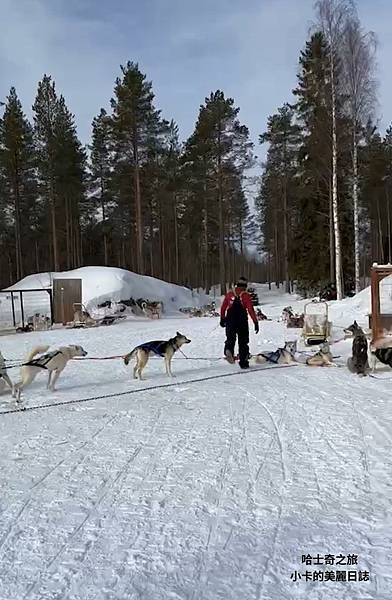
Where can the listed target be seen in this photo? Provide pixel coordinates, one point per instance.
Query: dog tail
(130, 355)
(35, 351)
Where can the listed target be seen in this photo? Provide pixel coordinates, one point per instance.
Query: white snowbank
(106, 283)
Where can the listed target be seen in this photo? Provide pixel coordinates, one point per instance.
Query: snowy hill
(110, 283)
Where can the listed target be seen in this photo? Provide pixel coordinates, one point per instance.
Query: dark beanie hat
(242, 282)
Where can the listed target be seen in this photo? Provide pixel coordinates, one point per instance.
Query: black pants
(238, 328)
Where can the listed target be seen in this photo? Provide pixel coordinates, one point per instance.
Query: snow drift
(106, 283)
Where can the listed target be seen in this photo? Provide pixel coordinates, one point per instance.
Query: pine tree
(70, 181)
(359, 85)
(283, 136)
(62, 174)
(313, 226)
(17, 161)
(332, 16)
(45, 114)
(135, 122)
(101, 171)
(218, 151)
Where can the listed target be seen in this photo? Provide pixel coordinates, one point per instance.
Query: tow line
(139, 390)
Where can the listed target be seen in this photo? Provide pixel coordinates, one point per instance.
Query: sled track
(35, 485)
(260, 587)
(203, 564)
(109, 485)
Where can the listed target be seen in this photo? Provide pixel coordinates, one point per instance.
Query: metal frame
(377, 319)
(316, 338)
(21, 292)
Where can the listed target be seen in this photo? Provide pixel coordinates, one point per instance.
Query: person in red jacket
(235, 308)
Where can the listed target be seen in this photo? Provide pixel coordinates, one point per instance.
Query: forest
(193, 211)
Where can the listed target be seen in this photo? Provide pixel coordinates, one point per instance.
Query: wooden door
(66, 292)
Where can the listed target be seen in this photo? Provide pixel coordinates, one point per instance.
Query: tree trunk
(176, 240)
(277, 265)
(380, 236)
(37, 257)
(286, 238)
(56, 266)
(138, 202)
(389, 228)
(68, 234)
(331, 239)
(152, 270)
(104, 232)
(338, 254)
(222, 270)
(18, 245)
(269, 270)
(356, 214)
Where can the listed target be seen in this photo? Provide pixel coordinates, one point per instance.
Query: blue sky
(247, 48)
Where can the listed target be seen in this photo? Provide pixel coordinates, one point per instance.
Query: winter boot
(229, 357)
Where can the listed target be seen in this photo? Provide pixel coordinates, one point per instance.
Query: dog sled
(316, 326)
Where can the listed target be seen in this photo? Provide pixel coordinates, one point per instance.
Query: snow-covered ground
(202, 491)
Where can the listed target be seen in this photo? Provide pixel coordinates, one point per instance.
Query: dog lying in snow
(281, 356)
(4, 378)
(322, 358)
(53, 362)
(164, 348)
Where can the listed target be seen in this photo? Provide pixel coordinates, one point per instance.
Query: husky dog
(281, 356)
(358, 363)
(322, 358)
(53, 362)
(164, 348)
(287, 313)
(4, 379)
(383, 355)
(152, 310)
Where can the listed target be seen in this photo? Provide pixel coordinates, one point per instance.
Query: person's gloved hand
(223, 322)
(257, 327)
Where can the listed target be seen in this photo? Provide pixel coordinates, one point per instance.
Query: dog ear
(178, 333)
(356, 324)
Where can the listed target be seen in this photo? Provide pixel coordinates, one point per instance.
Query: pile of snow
(359, 306)
(100, 284)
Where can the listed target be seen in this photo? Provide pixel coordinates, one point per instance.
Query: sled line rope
(122, 356)
(139, 390)
(378, 377)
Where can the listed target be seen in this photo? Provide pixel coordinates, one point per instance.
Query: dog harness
(42, 361)
(157, 346)
(271, 356)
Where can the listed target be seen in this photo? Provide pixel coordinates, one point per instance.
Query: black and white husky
(281, 356)
(382, 355)
(358, 363)
(164, 348)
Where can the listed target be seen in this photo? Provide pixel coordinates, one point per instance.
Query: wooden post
(13, 309)
(375, 295)
(21, 307)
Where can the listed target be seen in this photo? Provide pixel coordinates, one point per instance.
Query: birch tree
(332, 16)
(360, 86)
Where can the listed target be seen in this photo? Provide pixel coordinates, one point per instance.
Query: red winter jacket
(246, 303)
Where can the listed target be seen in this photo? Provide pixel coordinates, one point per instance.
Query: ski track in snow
(205, 491)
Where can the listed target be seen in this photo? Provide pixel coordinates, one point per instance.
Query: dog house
(380, 319)
(317, 328)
